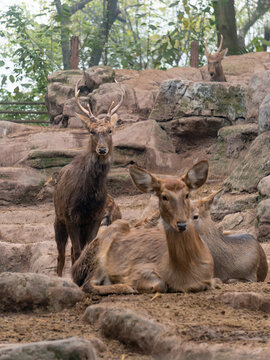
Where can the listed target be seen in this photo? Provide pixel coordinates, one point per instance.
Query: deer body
(81, 191)
(237, 257)
(215, 69)
(126, 259)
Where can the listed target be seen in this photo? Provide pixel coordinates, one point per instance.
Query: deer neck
(220, 74)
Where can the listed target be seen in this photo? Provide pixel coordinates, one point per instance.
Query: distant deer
(125, 260)
(236, 257)
(81, 190)
(215, 69)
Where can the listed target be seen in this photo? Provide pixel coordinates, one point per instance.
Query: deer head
(215, 69)
(173, 194)
(99, 127)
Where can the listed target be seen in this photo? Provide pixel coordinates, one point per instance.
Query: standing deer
(125, 260)
(236, 257)
(215, 69)
(81, 190)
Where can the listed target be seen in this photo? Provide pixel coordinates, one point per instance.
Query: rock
(263, 218)
(253, 167)
(264, 114)
(8, 128)
(19, 185)
(248, 300)
(182, 98)
(19, 291)
(14, 257)
(231, 221)
(259, 87)
(68, 349)
(97, 75)
(146, 144)
(264, 186)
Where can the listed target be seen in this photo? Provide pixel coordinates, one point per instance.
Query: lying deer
(81, 190)
(215, 69)
(125, 260)
(236, 257)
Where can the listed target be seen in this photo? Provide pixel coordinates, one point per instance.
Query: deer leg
(74, 231)
(88, 233)
(61, 237)
(146, 279)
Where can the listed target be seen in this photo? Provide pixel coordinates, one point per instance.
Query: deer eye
(164, 197)
(92, 132)
(187, 196)
(195, 217)
(110, 131)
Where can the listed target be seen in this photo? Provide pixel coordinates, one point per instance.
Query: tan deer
(236, 257)
(125, 260)
(215, 69)
(81, 190)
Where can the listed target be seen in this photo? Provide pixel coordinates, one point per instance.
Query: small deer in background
(81, 190)
(237, 257)
(215, 69)
(125, 260)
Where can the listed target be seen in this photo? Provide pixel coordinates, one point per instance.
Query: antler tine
(220, 45)
(87, 112)
(121, 101)
(110, 108)
(206, 48)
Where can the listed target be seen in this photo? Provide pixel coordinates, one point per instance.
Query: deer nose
(181, 226)
(102, 151)
(211, 74)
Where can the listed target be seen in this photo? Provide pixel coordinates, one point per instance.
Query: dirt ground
(199, 318)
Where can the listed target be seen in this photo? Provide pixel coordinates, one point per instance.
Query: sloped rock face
(253, 167)
(263, 218)
(259, 87)
(20, 291)
(195, 110)
(71, 348)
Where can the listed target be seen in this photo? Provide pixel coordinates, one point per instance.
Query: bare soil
(199, 317)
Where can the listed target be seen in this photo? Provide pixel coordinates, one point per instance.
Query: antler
(87, 112)
(220, 45)
(112, 111)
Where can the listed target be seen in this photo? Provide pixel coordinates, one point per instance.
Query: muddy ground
(199, 318)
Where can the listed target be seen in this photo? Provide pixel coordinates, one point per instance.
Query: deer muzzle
(181, 226)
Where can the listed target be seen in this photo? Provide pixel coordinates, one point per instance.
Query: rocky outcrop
(253, 167)
(264, 114)
(259, 87)
(27, 291)
(68, 349)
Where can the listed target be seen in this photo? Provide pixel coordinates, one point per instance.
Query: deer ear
(114, 119)
(197, 175)
(223, 53)
(212, 198)
(144, 180)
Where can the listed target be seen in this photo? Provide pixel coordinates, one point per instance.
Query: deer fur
(125, 259)
(215, 69)
(237, 257)
(81, 190)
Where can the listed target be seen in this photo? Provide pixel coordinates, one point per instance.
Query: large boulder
(253, 167)
(264, 186)
(259, 87)
(264, 115)
(68, 349)
(27, 291)
(14, 257)
(263, 218)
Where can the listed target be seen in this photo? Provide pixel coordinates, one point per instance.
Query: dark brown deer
(237, 257)
(81, 190)
(125, 260)
(215, 69)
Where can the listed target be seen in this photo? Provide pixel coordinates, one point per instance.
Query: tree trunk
(110, 13)
(226, 24)
(194, 54)
(266, 36)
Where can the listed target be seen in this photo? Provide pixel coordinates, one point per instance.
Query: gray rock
(264, 186)
(248, 300)
(263, 218)
(97, 75)
(258, 88)
(264, 115)
(253, 167)
(19, 291)
(67, 349)
(14, 257)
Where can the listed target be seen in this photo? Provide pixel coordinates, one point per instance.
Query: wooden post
(74, 52)
(194, 54)
(266, 35)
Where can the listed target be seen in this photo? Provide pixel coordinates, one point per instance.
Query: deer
(81, 190)
(131, 260)
(237, 257)
(215, 69)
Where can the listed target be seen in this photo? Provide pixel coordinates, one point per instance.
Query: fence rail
(37, 118)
